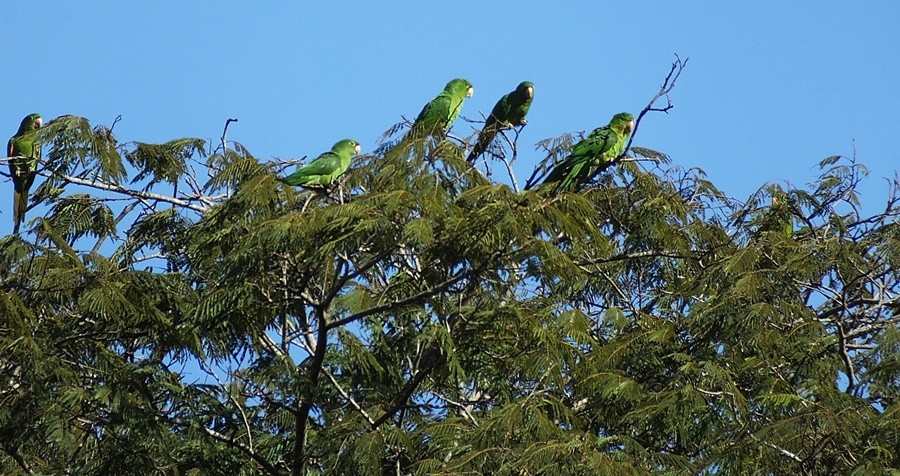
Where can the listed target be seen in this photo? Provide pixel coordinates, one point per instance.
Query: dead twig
(667, 86)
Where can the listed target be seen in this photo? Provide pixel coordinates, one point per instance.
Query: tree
(426, 320)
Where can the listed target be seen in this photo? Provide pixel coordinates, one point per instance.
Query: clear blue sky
(771, 88)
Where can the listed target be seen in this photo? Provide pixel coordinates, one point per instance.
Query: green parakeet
(509, 111)
(24, 150)
(602, 146)
(327, 167)
(438, 115)
(779, 218)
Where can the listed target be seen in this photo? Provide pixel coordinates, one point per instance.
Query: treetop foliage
(179, 310)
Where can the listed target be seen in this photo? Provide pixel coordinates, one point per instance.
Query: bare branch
(225, 134)
(98, 184)
(513, 145)
(18, 459)
(778, 449)
(348, 397)
(465, 409)
(209, 371)
(115, 121)
(667, 86)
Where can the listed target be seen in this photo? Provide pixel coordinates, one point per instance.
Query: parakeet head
(622, 121)
(460, 85)
(345, 145)
(526, 88)
(29, 123)
(778, 196)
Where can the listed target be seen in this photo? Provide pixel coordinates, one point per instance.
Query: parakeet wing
(434, 114)
(325, 164)
(599, 141)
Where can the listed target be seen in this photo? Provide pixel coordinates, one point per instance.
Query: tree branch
(131, 193)
(667, 86)
(305, 402)
(402, 302)
(429, 360)
(513, 145)
(225, 134)
(348, 397)
(256, 457)
(18, 459)
(465, 409)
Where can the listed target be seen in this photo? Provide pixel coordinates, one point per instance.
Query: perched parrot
(25, 152)
(602, 146)
(438, 115)
(779, 218)
(327, 167)
(509, 111)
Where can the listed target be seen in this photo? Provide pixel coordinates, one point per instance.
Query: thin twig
(348, 397)
(115, 121)
(225, 134)
(515, 154)
(209, 371)
(667, 86)
(460, 406)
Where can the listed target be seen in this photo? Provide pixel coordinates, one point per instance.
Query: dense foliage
(201, 317)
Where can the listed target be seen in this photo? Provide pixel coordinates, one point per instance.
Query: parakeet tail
(20, 204)
(484, 140)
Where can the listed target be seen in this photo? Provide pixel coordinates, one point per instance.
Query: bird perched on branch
(24, 151)
(327, 167)
(509, 111)
(592, 154)
(439, 114)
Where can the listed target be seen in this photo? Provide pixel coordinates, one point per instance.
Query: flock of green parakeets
(601, 147)
(598, 149)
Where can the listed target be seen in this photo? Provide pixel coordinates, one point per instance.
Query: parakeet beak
(630, 126)
(529, 92)
(357, 148)
(470, 92)
(39, 123)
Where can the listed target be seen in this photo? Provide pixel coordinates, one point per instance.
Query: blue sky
(771, 87)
